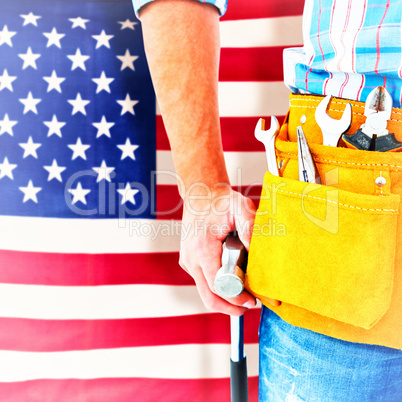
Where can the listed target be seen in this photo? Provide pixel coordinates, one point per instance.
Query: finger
(183, 266)
(245, 299)
(212, 301)
(245, 220)
(210, 262)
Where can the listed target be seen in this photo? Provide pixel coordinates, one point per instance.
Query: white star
(7, 125)
(78, 60)
(54, 82)
(127, 60)
(54, 171)
(102, 82)
(127, 194)
(30, 192)
(30, 103)
(54, 126)
(128, 150)
(127, 105)
(79, 194)
(53, 38)
(79, 149)
(30, 148)
(6, 169)
(30, 19)
(103, 127)
(29, 59)
(102, 39)
(103, 172)
(78, 104)
(5, 36)
(6, 81)
(78, 22)
(127, 24)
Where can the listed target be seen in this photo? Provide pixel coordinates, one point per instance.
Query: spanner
(332, 129)
(268, 139)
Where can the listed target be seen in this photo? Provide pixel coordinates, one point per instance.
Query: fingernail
(249, 304)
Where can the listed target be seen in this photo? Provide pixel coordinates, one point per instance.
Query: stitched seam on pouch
(346, 163)
(332, 202)
(336, 110)
(332, 110)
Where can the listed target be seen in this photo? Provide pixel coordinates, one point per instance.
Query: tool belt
(329, 252)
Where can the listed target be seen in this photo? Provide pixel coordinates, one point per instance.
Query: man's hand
(181, 40)
(209, 215)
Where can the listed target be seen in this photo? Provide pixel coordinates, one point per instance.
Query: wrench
(267, 137)
(332, 129)
(229, 279)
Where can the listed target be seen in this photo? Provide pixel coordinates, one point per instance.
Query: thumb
(244, 220)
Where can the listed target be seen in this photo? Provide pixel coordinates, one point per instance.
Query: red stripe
(251, 64)
(107, 269)
(345, 82)
(318, 34)
(330, 30)
(170, 205)
(378, 39)
(91, 269)
(123, 390)
(354, 42)
(64, 335)
(345, 26)
(237, 134)
(361, 87)
(239, 10)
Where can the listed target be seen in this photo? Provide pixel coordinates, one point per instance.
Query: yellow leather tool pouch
(327, 250)
(332, 253)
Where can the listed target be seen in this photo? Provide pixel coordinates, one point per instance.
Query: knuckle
(210, 302)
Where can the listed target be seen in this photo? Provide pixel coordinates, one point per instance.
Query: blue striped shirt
(350, 47)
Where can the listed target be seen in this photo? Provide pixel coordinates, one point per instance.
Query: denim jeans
(301, 365)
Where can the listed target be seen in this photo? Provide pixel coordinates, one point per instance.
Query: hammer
(229, 282)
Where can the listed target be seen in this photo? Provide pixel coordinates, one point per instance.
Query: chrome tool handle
(229, 280)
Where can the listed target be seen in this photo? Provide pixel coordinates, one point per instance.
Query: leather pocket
(325, 249)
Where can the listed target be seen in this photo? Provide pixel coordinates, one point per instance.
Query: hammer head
(229, 280)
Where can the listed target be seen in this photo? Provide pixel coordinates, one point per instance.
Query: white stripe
(98, 236)
(170, 362)
(98, 302)
(282, 31)
(244, 168)
(248, 99)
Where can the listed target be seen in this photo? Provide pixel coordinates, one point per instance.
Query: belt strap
(305, 105)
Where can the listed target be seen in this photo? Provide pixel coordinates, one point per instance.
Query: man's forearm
(182, 46)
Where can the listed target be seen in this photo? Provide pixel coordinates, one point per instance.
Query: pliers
(373, 134)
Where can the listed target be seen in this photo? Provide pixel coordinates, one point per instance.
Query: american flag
(93, 304)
